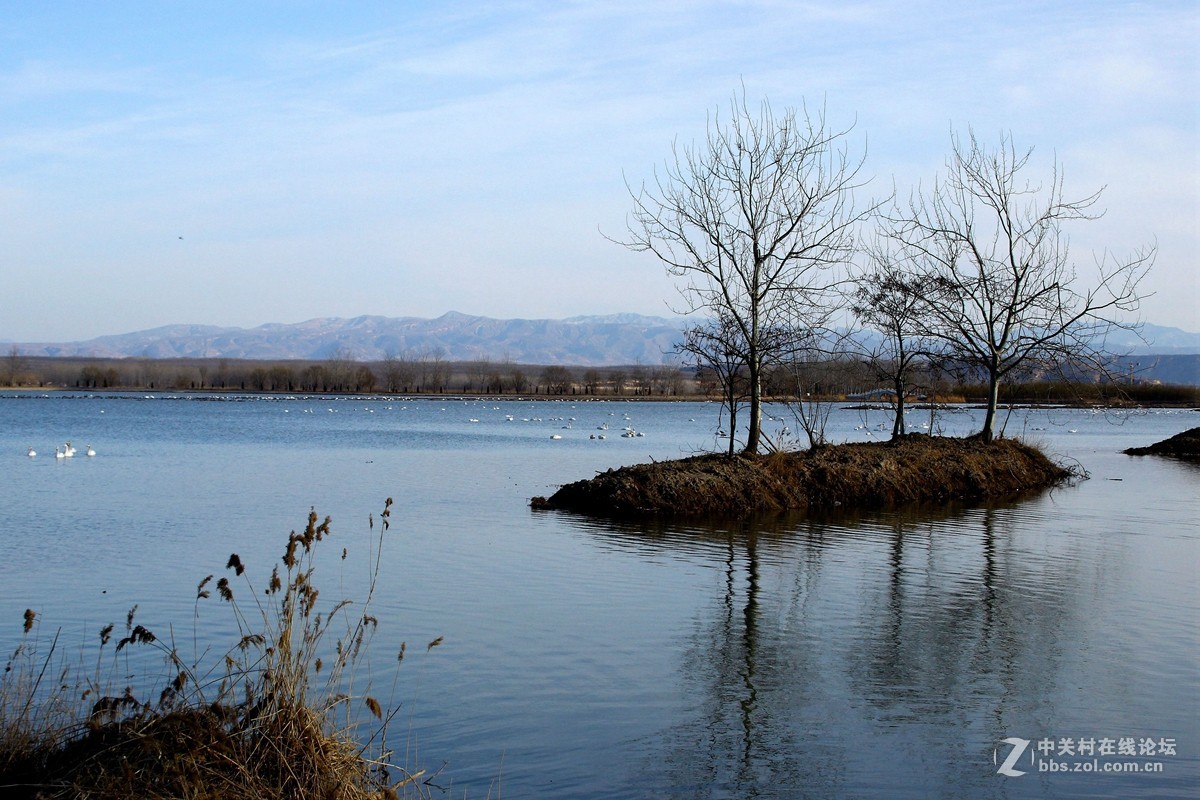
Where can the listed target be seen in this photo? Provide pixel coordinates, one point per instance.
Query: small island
(913, 469)
(1184, 445)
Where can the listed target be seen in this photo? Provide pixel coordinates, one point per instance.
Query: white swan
(58, 453)
(32, 452)
(68, 450)
(90, 451)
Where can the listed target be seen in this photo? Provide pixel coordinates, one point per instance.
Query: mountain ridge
(581, 340)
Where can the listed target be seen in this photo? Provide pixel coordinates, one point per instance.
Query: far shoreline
(843, 403)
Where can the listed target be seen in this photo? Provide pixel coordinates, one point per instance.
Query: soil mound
(1181, 445)
(912, 469)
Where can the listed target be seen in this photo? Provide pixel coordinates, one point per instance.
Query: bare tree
(617, 377)
(890, 299)
(398, 372)
(434, 371)
(315, 378)
(557, 379)
(282, 379)
(637, 379)
(674, 381)
(495, 380)
(517, 378)
(1004, 293)
(364, 379)
(340, 368)
(477, 374)
(717, 347)
(752, 220)
(808, 395)
(15, 365)
(591, 381)
(148, 373)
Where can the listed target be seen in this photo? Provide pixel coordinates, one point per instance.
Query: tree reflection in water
(880, 655)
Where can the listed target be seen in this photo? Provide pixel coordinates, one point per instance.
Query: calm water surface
(886, 655)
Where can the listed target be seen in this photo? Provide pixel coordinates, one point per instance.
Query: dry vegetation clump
(910, 469)
(272, 717)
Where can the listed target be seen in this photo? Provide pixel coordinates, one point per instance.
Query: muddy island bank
(1184, 445)
(868, 475)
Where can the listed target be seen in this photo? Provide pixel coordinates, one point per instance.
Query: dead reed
(274, 716)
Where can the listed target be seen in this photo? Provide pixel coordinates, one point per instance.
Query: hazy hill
(586, 341)
(594, 341)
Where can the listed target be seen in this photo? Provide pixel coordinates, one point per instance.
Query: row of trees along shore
(343, 373)
(830, 379)
(764, 225)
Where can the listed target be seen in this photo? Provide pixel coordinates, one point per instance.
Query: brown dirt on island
(1184, 445)
(912, 469)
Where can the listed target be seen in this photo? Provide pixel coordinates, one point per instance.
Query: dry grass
(912, 469)
(272, 717)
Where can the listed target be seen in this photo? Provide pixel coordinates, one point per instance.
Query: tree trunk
(732, 423)
(993, 403)
(752, 434)
(898, 424)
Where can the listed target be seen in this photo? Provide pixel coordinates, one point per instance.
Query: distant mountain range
(584, 341)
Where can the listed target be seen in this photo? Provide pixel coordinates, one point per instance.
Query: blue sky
(252, 162)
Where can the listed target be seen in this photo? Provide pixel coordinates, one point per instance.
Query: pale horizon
(236, 165)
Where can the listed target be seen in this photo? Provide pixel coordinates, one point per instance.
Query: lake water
(883, 655)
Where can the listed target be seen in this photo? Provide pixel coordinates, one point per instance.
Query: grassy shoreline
(287, 712)
(913, 469)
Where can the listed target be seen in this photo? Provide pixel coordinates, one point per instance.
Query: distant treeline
(836, 379)
(428, 375)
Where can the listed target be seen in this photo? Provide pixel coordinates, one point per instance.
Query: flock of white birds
(66, 450)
